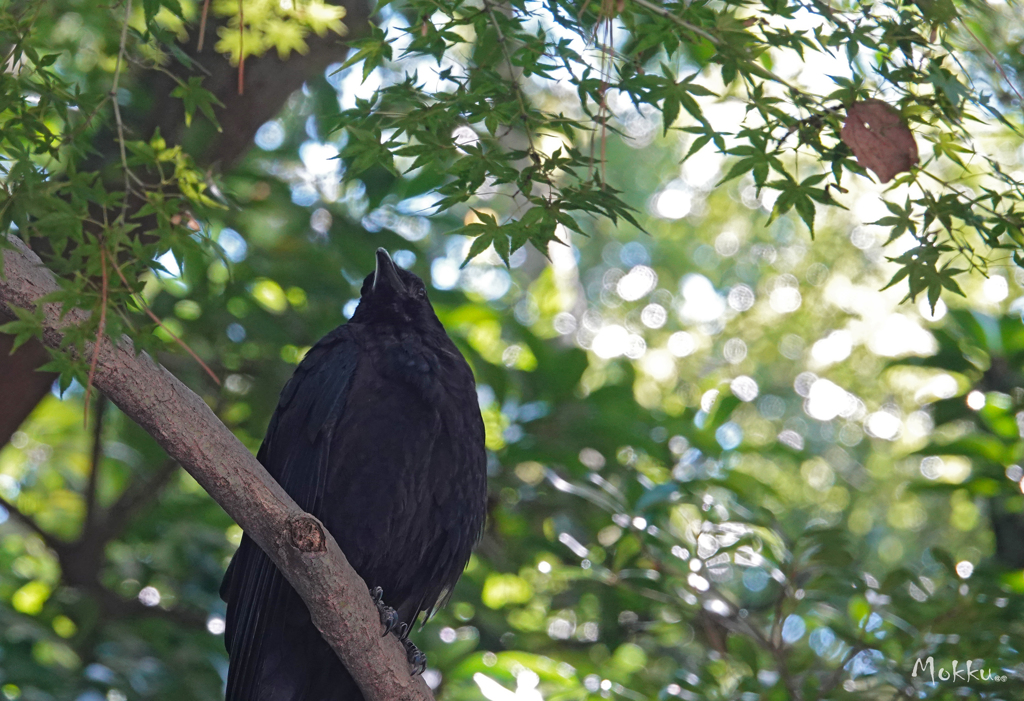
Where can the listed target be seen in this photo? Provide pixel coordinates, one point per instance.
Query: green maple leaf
(285, 36)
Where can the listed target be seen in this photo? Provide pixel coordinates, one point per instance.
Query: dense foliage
(726, 460)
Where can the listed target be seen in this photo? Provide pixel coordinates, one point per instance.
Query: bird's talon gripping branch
(388, 616)
(416, 658)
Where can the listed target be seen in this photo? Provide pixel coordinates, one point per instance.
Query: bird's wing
(295, 452)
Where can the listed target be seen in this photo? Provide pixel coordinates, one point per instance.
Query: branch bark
(191, 434)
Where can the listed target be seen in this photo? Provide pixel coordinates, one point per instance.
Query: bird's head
(394, 296)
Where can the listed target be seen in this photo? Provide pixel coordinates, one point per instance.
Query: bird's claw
(417, 660)
(389, 619)
(388, 616)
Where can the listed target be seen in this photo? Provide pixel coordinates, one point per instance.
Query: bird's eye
(421, 292)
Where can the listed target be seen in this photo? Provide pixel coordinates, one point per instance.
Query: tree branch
(30, 523)
(94, 467)
(138, 494)
(837, 674)
(188, 430)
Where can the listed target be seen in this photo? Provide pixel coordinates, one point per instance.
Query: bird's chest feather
(410, 362)
(406, 398)
(396, 480)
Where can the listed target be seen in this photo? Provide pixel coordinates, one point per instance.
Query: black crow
(379, 435)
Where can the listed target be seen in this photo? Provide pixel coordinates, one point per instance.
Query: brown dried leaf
(879, 139)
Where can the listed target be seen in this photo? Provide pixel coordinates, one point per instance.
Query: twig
(117, 108)
(605, 15)
(837, 674)
(776, 631)
(154, 317)
(524, 113)
(999, 66)
(94, 472)
(202, 26)
(153, 66)
(787, 679)
(661, 11)
(511, 67)
(27, 521)
(241, 48)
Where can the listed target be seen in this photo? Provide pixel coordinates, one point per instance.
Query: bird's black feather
(379, 435)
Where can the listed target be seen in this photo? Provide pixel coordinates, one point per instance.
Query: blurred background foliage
(724, 462)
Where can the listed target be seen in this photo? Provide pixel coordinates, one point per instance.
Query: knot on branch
(307, 534)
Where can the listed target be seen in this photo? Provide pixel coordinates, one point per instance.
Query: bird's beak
(386, 274)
